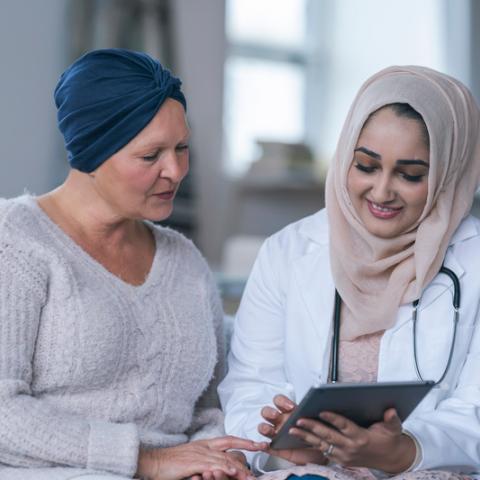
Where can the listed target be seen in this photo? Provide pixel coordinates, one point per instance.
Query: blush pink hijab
(374, 276)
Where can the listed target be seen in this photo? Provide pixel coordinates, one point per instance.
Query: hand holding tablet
(363, 404)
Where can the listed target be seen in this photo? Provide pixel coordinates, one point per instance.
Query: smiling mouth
(383, 212)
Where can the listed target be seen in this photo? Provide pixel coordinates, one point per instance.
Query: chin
(384, 235)
(381, 231)
(156, 215)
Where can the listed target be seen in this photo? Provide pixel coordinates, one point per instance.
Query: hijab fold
(373, 275)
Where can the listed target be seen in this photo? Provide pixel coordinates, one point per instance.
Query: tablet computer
(362, 403)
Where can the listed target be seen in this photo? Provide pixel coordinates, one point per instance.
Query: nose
(174, 166)
(383, 190)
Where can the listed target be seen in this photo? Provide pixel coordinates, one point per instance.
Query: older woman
(398, 197)
(111, 327)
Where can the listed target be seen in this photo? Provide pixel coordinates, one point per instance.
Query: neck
(80, 208)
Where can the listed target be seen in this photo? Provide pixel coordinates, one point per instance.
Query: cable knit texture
(92, 367)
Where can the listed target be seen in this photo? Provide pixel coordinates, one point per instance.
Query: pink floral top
(358, 359)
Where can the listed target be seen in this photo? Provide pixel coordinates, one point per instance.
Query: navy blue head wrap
(105, 98)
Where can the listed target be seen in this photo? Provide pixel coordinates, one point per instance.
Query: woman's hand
(381, 446)
(207, 459)
(276, 417)
(219, 475)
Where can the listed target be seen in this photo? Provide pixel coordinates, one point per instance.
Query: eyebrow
(377, 156)
(368, 152)
(148, 145)
(412, 162)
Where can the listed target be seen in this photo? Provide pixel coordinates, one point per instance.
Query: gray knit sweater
(92, 367)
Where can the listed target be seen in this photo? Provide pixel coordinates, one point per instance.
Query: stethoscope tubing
(456, 308)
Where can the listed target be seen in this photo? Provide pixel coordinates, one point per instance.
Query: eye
(412, 178)
(151, 157)
(364, 168)
(183, 147)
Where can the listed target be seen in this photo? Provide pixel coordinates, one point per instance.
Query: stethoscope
(456, 307)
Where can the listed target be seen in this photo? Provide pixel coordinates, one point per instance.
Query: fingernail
(300, 423)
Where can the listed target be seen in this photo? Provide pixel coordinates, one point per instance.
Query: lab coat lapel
(434, 324)
(317, 291)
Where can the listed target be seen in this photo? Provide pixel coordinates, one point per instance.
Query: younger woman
(398, 197)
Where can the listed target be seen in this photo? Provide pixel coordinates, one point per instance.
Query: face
(388, 178)
(140, 180)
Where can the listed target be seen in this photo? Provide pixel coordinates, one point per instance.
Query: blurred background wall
(33, 53)
(268, 84)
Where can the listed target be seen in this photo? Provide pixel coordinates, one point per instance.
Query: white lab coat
(283, 329)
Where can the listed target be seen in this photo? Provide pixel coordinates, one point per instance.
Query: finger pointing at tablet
(276, 417)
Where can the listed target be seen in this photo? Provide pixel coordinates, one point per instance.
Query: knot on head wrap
(105, 98)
